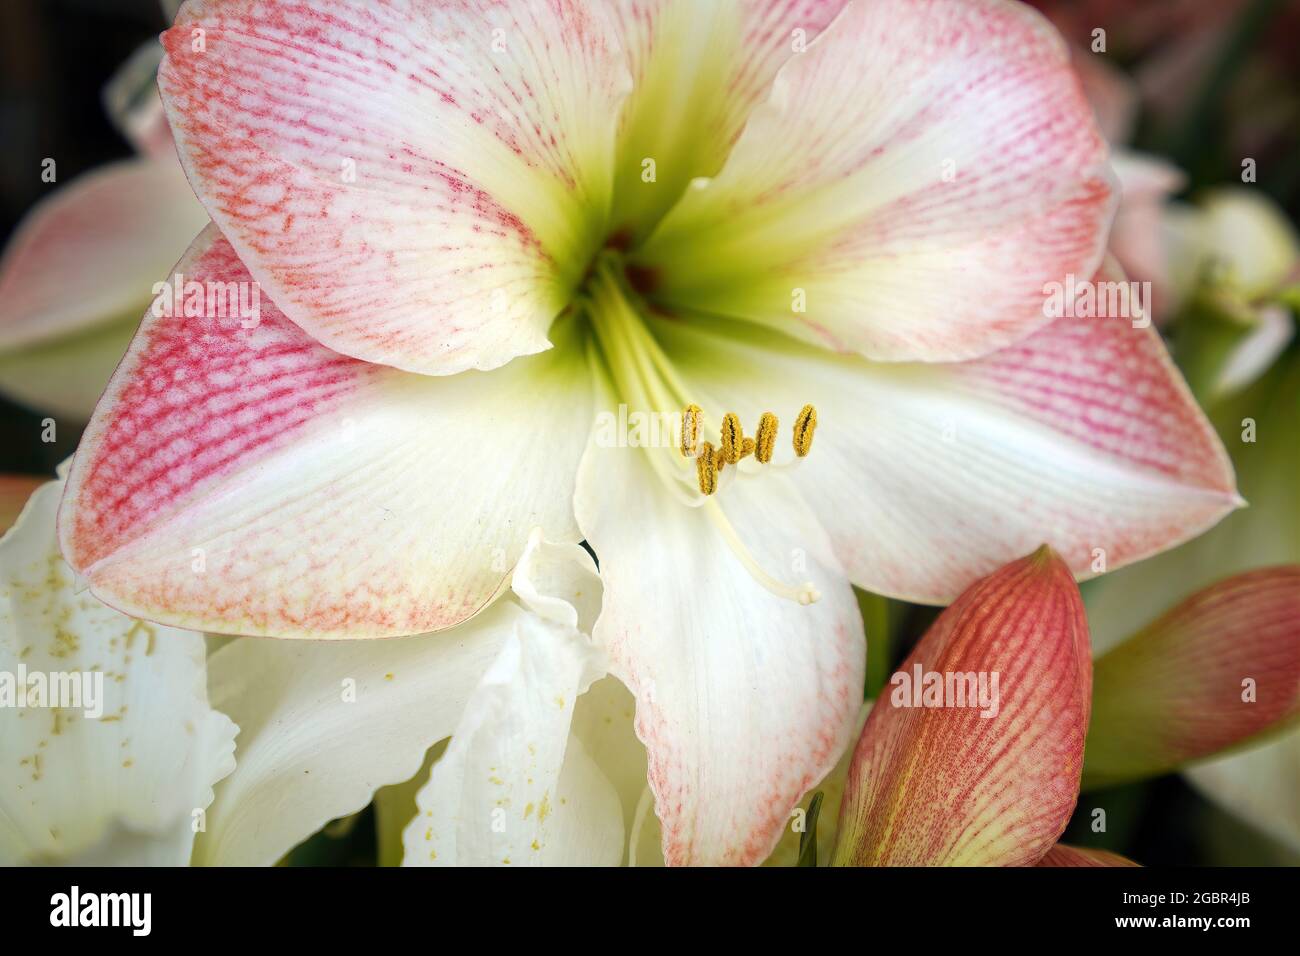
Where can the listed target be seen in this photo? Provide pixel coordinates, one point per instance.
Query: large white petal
(743, 699)
(928, 476)
(604, 722)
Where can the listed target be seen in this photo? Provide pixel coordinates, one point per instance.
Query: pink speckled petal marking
(1215, 672)
(928, 476)
(417, 184)
(917, 177)
(698, 71)
(944, 785)
(1065, 855)
(743, 700)
(249, 480)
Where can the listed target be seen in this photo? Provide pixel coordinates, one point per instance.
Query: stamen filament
(805, 593)
(611, 317)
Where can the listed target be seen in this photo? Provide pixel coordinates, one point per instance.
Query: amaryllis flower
(947, 774)
(478, 225)
(81, 267)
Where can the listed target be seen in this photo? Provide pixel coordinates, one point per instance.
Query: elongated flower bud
(971, 756)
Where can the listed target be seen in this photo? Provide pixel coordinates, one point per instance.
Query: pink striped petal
(415, 183)
(1064, 855)
(949, 786)
(249, 480)
(916, 178)
(928, 476)
(1217, 671)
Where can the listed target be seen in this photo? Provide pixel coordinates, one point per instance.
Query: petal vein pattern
(208, 488)
(909, 204)
(415, 184)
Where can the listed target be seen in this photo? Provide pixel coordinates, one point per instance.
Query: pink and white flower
(482, 223)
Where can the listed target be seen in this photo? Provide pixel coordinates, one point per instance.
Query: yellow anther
(691, 430)
(804, 426)
(747, 448)
(733, 437)
(706, 467)
(766, 439)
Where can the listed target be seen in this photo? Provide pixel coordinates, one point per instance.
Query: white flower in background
(1237, 248)
(130, 785)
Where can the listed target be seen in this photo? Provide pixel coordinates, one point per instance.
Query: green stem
(876, 622)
